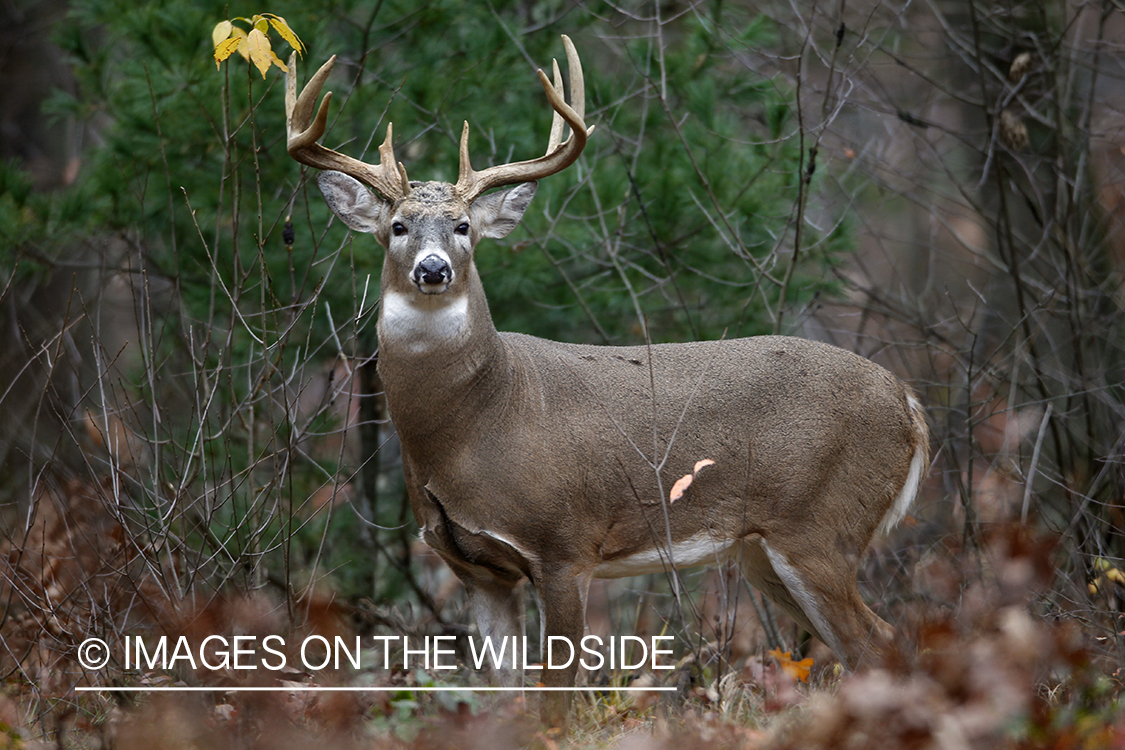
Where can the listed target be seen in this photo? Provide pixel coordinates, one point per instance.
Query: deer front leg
(562, 605)
(497, 607)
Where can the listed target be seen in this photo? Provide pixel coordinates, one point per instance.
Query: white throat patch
(420, 323)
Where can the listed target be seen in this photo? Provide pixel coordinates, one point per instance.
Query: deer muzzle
(433, 274)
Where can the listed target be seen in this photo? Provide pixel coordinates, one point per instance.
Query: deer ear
(350, 199)
(497, 214)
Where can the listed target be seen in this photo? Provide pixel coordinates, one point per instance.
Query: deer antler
(471, 184)
(304, 131)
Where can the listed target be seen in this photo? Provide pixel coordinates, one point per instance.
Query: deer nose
(432, 270)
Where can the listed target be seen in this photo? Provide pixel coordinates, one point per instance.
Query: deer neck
(440, 357)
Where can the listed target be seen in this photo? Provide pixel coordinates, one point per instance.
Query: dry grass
(986, 670)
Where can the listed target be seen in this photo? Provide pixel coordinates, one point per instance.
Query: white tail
(533, 459)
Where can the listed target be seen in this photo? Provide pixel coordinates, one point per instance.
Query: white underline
(401, 689)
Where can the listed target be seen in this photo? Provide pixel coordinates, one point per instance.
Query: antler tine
(471, 184)
(577, 82)
(303, 131)
(556, 119)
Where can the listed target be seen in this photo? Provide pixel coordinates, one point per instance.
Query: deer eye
(462, 228)
(398, 229)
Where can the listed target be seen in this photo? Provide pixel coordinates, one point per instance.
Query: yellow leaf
(221, 31)
(798, 670)
(225, 48)
(286, 33)
(702, 465)
(680, 487)
(260, 52)
(261, 24)
(277, 61)
(243, 47)
(1116, 576)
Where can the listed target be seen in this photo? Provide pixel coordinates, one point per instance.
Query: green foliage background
(679, 217)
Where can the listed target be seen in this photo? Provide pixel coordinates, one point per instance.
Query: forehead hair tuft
(428, 195)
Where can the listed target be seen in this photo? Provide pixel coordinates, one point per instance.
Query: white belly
(701, 549)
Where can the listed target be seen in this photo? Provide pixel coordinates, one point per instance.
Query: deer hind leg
(818, 590)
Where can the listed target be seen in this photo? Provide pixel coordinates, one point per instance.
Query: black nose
(432, 270)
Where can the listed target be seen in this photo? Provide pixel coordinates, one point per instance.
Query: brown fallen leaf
(680, 487)
(798, 670)
(682, 484)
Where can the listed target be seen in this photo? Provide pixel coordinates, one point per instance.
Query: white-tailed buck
(539, 460)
